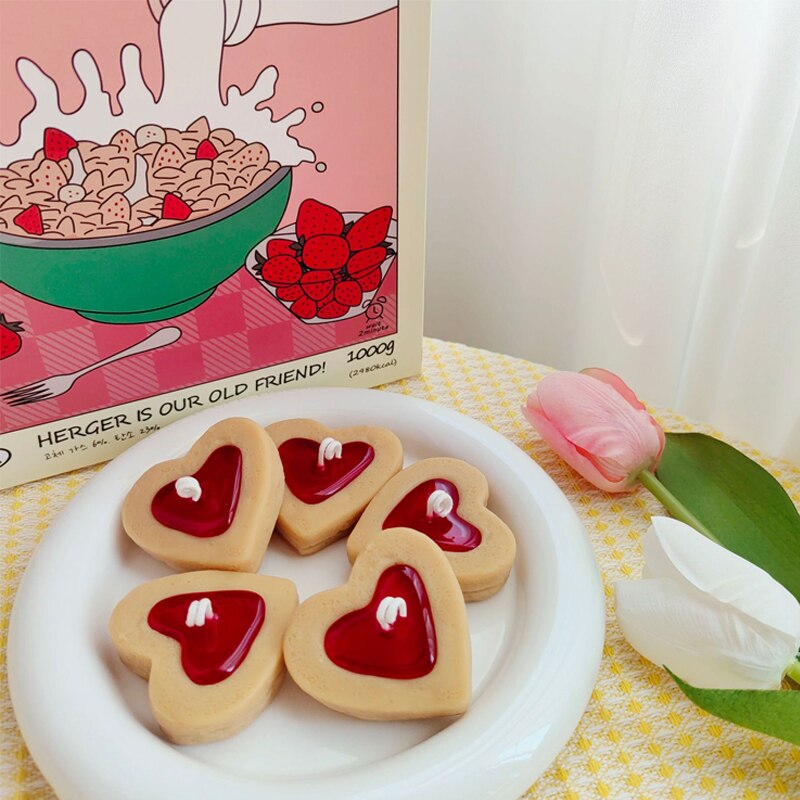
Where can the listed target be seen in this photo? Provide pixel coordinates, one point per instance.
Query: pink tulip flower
(598, 426)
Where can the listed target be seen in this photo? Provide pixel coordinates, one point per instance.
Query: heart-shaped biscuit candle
(216, 507)
(210, 644)
(331, 476)
(393, 642)
(445, 499)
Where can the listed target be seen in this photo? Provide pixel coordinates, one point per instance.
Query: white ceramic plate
(536, 644)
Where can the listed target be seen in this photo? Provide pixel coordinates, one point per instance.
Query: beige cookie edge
(481, 572)
(180, 706)
(242, 547)
(450, 681)
(311, 528)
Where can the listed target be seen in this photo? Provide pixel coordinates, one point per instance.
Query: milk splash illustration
(192, 37)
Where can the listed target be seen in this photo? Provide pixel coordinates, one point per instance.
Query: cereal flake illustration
(148, 180)
(169, 193)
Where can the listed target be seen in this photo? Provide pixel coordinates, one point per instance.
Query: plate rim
(528, 746)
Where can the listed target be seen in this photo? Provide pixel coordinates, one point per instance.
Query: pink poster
(192, 195)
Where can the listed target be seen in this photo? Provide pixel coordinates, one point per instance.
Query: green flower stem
(794, 671)
(672, 504)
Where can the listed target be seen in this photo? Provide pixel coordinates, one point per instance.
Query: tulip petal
(662, 441)
(566, 450)
(673, 549)
(620, 439)
(706, 643)
(619, 385)
(615, 382)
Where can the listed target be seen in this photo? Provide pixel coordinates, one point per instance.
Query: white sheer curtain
(618, 184)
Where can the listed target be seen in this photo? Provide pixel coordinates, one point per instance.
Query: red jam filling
(452, 533)
(220, 480)
(312, 483)
(358, 643)
(213, 651)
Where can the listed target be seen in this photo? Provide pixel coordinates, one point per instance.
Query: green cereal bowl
(147, 276)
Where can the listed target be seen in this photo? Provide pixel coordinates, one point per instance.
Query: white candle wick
(199, 611)
(329, 448)
(187, 486)
(389, 609)
(440, 504)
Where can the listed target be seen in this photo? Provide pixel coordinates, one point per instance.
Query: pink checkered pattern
(240, 328)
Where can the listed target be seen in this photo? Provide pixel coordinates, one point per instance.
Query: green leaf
(776, 713)
(739, 502)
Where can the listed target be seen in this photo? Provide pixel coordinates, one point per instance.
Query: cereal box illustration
(201, 200)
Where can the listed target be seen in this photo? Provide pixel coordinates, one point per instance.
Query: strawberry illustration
(317, 284)
(57, 144)
(281, 247)
(206, 151)
(314, 218)
(366, 260)
(371, 229)
(10, 340)
(327, 299)
(168, 155)
(349, 293)
(369, 281)
(124, 140)
(281, 271)
(289, 293)
(305, 308)
(174, 207)
(325, 251)
(332, 310)
(30, 220)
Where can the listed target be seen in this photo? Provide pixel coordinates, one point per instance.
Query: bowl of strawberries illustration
(89, 226)
(328, 265)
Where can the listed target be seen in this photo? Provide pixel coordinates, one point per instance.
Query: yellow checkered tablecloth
(640, 737)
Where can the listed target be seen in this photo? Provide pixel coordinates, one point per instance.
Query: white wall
(612, 184)
(512, 115)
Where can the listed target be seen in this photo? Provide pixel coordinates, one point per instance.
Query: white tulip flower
(716, 620)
